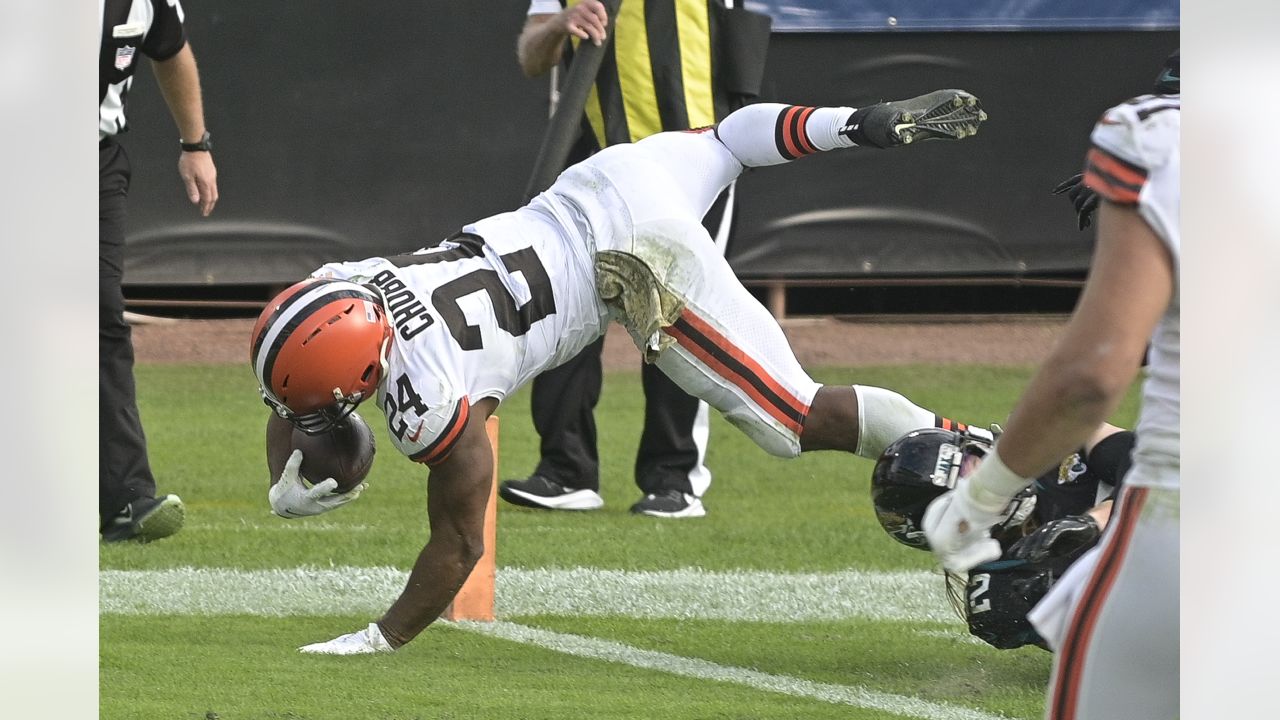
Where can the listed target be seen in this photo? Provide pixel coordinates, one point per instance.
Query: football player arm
(457, 496)
(1130, 284)
(541, 42)
(289, 494)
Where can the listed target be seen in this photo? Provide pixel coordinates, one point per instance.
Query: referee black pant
(124, 474)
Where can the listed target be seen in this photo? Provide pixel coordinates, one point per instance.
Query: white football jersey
(1135, 160)
(476, 316)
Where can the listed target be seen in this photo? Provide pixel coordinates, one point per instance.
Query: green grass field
(786, 601)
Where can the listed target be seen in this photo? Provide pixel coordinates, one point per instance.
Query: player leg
(771, 133)
(727, 349)
(701, 163)
(1127, 602)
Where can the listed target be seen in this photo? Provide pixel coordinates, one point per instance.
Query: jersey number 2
(516, 320)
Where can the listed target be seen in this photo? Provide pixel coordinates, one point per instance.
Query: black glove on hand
(1085, 200)
(1063, 539)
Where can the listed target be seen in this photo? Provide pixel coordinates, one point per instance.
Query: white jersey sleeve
(425, 422)
(1135, 160)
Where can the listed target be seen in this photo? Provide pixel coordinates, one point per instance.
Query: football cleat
(939, 115)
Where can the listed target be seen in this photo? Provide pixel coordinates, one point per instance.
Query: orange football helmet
(318, 350)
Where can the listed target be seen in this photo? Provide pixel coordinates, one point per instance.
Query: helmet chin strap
(382, 355)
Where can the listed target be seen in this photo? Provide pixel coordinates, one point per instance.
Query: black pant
(124, 474)
(564, 401)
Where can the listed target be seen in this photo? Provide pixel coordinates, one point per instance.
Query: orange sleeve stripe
(1117, 168)
(1109, 189)
(437, 451)
(1114, 178)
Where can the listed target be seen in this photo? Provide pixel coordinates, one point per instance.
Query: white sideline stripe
(610, 651)
(740, 596)
(749, 596)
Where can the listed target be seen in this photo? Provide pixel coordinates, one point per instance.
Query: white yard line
(739, 596)
(609, 651)
(691, 593)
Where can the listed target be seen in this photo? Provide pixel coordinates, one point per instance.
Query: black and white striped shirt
(152, 27)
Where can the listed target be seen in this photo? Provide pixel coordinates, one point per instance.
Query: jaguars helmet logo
(1071, 469)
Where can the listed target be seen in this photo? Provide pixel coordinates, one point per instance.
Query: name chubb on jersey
(408, 313)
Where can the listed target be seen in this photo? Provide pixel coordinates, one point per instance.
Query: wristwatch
(204, 145)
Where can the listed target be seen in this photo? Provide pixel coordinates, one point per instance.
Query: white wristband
(993, 484)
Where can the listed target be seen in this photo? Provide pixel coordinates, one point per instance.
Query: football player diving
(442, 335)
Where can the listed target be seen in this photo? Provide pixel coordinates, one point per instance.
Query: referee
(128, 506)
(659, 73)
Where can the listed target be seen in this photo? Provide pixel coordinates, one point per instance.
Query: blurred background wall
(346, 130)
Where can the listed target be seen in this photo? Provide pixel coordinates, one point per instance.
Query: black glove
(1062, 540)
(1085, 200)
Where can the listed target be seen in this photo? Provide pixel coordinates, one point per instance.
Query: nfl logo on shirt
(124, 57)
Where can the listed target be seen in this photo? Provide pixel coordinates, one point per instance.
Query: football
(344, 453)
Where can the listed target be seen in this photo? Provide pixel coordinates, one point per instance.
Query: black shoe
(146, 519)
(670, 504)
(539, 492)
(939, 115)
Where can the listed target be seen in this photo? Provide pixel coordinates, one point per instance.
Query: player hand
(1065, 538)
(360, 642)
(959, 531)
(200, 178)
(586, 20)
(292, 497)
(1084, 199)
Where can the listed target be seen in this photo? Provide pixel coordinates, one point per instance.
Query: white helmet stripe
(293, 312)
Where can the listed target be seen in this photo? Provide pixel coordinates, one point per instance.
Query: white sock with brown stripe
(885, 416)
(773, 133)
